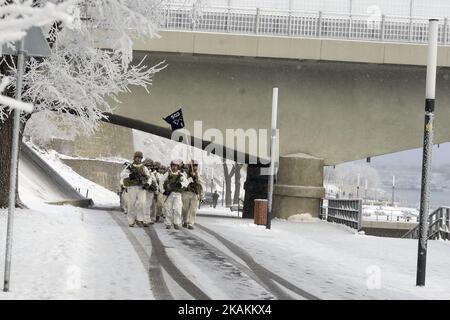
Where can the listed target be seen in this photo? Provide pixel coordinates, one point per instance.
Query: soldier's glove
(153, 187)
(178, 185)
(146, 186)
(166, 193)
(133, 176)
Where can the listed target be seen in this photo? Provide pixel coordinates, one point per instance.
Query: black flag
(175, 120)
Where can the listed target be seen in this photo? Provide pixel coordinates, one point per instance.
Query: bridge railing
(301, 24)
(342, 211)
(438, 226)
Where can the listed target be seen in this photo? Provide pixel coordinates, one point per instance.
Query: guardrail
(438, 226)
(301, 24)
(342, 211)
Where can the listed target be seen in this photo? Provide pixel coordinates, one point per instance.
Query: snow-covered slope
(34, 186)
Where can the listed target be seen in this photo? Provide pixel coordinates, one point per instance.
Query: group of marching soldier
(151, 192)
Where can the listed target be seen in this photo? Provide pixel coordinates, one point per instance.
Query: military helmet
(148, 162)
(138, 154)
(177, 162)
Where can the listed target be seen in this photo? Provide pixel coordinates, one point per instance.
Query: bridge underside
(328, 113)
(336, 111)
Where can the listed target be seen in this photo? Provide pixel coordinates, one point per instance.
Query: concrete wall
(106, 174)
(386, 229)
(337, 111)
(291, 48)
(108, 141)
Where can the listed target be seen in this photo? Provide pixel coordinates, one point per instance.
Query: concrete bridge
(357, 95)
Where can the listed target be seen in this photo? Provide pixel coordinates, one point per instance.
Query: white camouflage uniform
(138, 208)
(173, 205)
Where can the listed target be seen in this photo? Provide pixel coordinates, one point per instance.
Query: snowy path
(193, 268)
(73, 253)
(57, 255)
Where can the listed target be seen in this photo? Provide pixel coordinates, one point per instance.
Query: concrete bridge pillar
(298, 189)
(299, 186)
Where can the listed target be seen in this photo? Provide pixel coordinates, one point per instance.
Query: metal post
(212, 179)
(410, 30)
(193, 25)
(272, 156)
(383, 21)
(13, 172)
(319, 25)
(357, 188)
(411, 6)
(223, 191)
(445, 32)
(229, 20)
(365, 190)
(290, 24)
(427, 151)
(393, 190)
(257, 21)
(167, 16)
(350, 26)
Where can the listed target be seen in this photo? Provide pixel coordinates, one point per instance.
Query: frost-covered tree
(16, 18)
(90, 64)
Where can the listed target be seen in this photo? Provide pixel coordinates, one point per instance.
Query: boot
(190, 227)
(168, 227)
(176, 227)
(185, 225)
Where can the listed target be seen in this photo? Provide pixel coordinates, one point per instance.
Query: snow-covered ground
(63, 252)
(218, 211)
(333, 262)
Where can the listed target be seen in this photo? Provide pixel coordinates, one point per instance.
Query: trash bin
(260, 212)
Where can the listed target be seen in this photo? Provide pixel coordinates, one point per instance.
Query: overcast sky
(441, 156)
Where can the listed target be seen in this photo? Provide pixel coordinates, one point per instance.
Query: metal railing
(301, 24)
(438, 226)
(342, 211)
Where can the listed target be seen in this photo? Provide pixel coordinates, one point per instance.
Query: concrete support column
(299, 186)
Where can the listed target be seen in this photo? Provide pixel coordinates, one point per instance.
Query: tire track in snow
(266, 276)
(151, 264)
(171, 268)
(223, 268)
